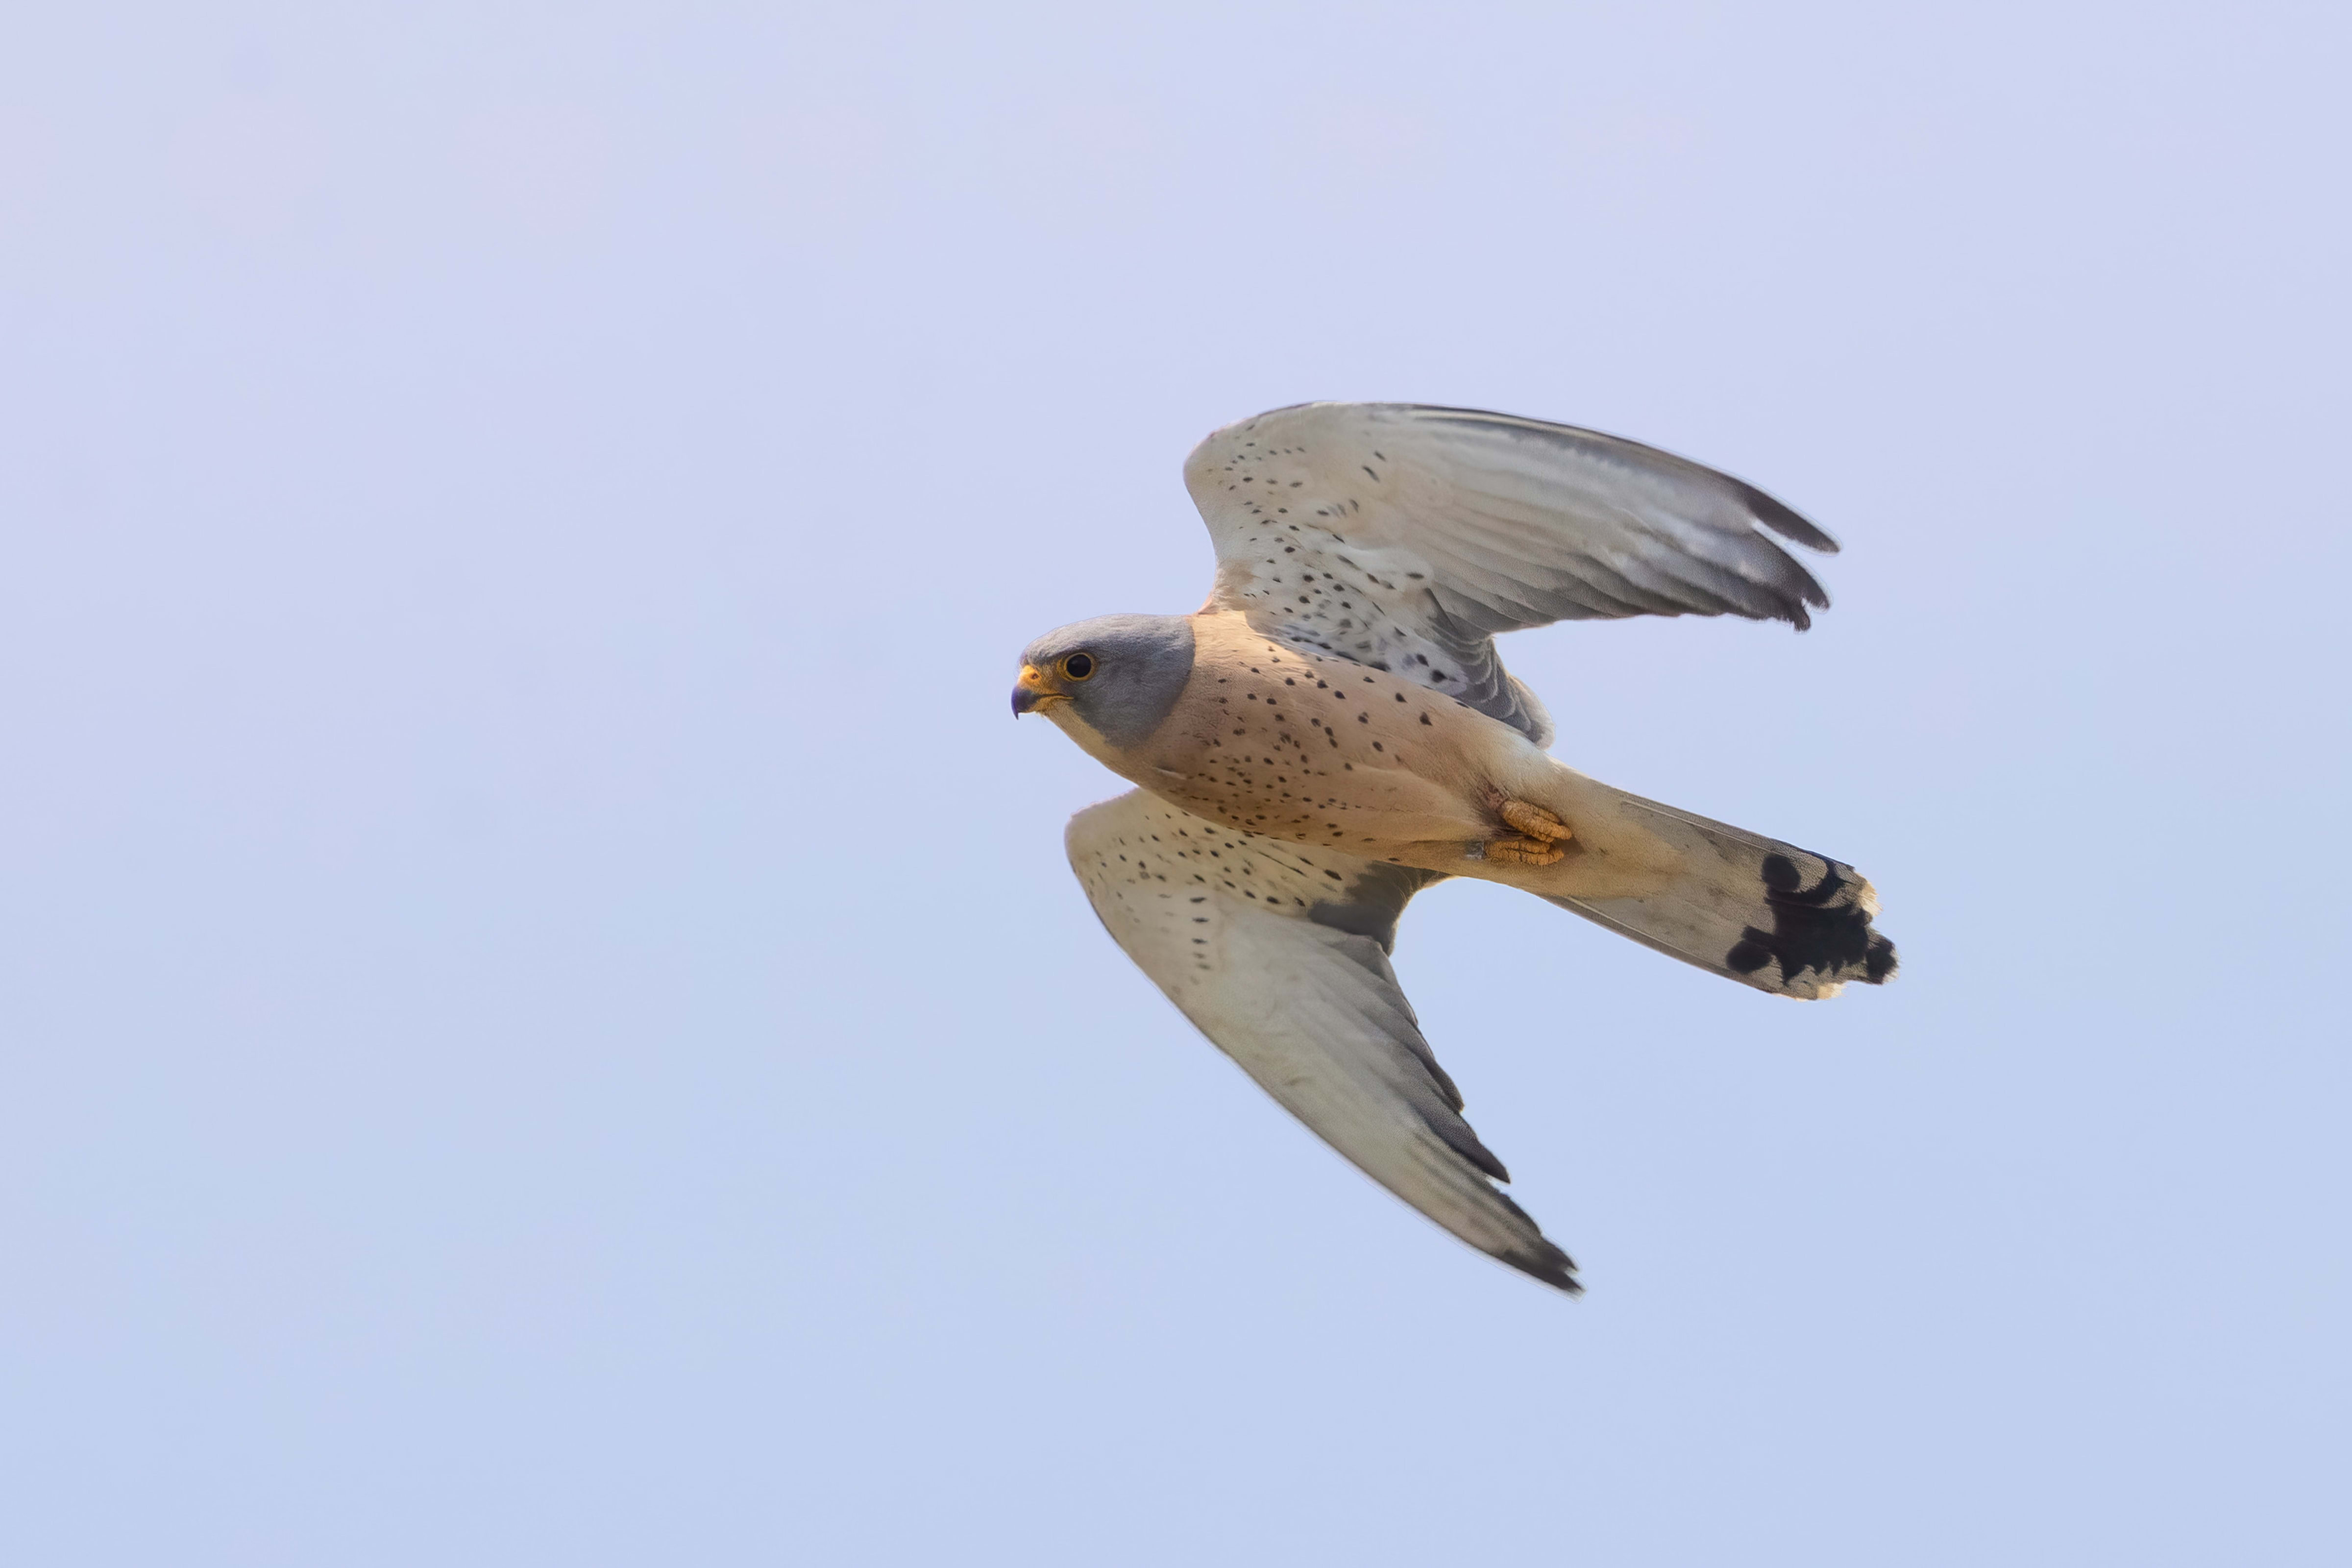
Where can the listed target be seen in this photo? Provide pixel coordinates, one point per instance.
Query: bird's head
(1118, 674)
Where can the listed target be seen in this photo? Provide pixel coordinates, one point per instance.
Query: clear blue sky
(543, 1017)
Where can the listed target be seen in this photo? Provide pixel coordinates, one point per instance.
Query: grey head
(1120, 674)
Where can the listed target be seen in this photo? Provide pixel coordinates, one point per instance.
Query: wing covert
(1405, 537)
(1278, 953)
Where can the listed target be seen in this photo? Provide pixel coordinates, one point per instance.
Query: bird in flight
(1333, 731)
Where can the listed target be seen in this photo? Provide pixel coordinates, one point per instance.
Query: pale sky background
(545, 1016)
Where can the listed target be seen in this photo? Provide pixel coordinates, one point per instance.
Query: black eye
(1078, 666)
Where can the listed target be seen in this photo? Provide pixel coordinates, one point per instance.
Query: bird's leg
(1539, 831)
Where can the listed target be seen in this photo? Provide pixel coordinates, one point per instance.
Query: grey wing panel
(1405, 537)
(1278, 953)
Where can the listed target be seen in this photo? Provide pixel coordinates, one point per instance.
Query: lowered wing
(1279, 954)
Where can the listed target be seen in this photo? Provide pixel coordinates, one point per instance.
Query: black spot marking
(1880, 961)
(1821, 929)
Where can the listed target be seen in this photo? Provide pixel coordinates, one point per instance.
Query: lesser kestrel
(1333, 731)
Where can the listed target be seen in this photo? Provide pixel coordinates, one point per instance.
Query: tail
(1766, 914)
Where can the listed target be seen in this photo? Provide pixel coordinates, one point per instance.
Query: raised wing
(1404, 537)
(1279, 954)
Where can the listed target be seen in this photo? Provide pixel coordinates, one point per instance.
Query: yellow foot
(1533, 820)
(1523, 852)
(1538, 830)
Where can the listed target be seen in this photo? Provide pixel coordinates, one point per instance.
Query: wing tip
(1547, 1263)
(1780, 518)
(1797, 609)
(1785, 519)
(1809, 594)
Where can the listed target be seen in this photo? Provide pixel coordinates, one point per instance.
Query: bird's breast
(1272, 740)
